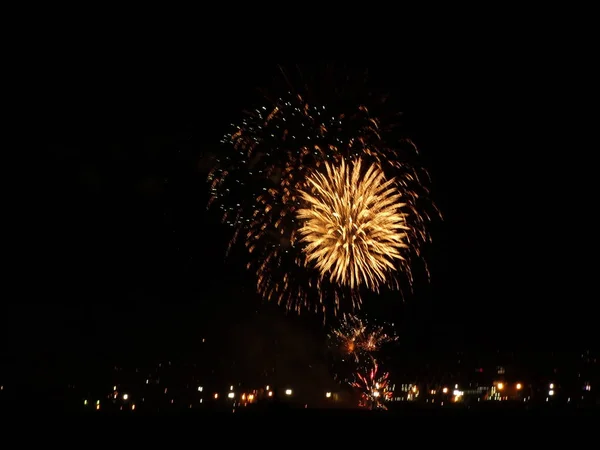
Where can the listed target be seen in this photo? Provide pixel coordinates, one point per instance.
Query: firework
(374, 387)
(354, 225)
(356, 339)
(257, 179)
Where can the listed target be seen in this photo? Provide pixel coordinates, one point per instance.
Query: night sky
(125, 263)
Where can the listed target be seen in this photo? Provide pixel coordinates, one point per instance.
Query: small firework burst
(357, 339)
(373, 386)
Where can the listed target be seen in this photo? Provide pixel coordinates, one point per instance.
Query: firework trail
(257, 181)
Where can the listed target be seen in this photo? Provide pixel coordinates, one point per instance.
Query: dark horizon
(130, 263)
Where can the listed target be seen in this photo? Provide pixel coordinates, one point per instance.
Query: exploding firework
(257, 179)
(354, 225)
(356, 339)
(374, 387)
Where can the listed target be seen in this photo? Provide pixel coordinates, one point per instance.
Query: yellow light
(270, 393)
(133, 407)
(231, 388)
(97, 402)
(231, 395)
(328, 394)
(414, 389)
(445, 390)
(267, 388)
(125, 396)
(251, 397)
(288, 392)
(216, 395)
(97, 407)
(500, 386)
(85, 402)
(519, 386)
(243, 396)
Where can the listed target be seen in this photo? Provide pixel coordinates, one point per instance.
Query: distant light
(216, 395)
(114, 388)
(376, 394)
(231, 388)
(519, 386)
(125, 396)
(97, 407)
(328, 394)
(200, 388)
(456, 386)
(551, 385)
(288, 392)
(243, 396)
(133, 407)
(267, 388)
(550, 392)
(85, 402)
(251, 397)
(445, 390)
(231, 395)
(97, 402)
(414, 389)
(500, 386)
(270, 394)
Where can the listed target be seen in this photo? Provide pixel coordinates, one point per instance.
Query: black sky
(126, 260)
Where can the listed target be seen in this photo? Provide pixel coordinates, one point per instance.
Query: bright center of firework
(353, 225)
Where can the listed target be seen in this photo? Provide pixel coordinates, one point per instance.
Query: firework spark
(358, 339)
(374, 387)
(354, 226)
(265, 162)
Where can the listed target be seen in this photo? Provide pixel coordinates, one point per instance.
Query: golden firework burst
(353, 225)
